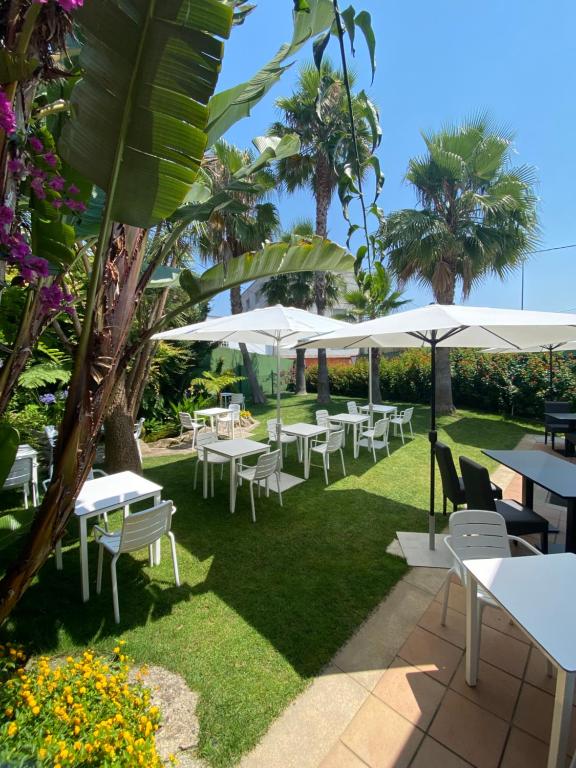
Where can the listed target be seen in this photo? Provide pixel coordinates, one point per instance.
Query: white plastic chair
(188, 424)
(237, 398)
(285, 440)
(213, 459)
(352, 408)
(474, 535)
(138, 427)
(20, 476)
(323, 420)
(139, 530)
(377, 437)
(333, 444)
(230, 419)
(268, 464)
(404, 417)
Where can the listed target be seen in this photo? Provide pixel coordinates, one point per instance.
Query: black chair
(452, 485)
(520, 520)
(551, 425)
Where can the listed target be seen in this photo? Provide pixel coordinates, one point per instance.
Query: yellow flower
(12, 729)
(9, 711)
(42, 753)
(36, 710)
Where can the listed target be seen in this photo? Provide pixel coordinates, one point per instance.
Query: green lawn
(262, 607)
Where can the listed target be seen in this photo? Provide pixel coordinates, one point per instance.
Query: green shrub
(30, 421)
(510, 384)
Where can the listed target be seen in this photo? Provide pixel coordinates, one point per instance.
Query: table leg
(232, 485)
(571, 525)
(306, 458)
(561, 719)
(84, 558)
(34, 483)
(205, 475)
(527, 493)
(472, 631)
(157, 552)
(355, 439)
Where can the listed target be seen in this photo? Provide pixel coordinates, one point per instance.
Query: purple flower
(76, 205)
(73, 190)
(38, 173)
(70, 5)
(7, 117)
(57, 183)
(36, 144)
(47, 399)
(63, 395)
(16, 166)
(19, 248)
(50, 159)
(57, 204)
(6, 215)
(38, 188)
(39, 265)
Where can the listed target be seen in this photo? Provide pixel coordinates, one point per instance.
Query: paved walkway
(395, 695)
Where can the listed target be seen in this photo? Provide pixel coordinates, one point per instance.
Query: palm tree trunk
(376, 391)
(444, 402)
(322, 188)
(121, 449)
(258, 396)
(300, 372)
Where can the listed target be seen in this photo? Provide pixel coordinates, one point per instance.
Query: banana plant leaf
(139, 114)
(301, 255)
(9, 439)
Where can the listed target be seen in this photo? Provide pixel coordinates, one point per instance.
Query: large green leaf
(44, 373)
(139, 114)
(16, 66)
(229, 106)
(299, 255)
(9, 439)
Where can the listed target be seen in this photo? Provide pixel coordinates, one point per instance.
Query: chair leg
(402, 433)
(25, 489)
(174, 558)
(252, 501)
(279, 489)
(221, 471)
(115, 590)
(343, 467)
(444, 503)
(99, 572)
(325, 468)
(545, 436)
(374, 451)
(212, 480)
(544, 542)
(445, 600)
(411, 432)
(196, 474)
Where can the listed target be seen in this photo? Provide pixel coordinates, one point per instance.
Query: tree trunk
(444, 402)
(376, 391)
(323, 192)
(300, 372)
(121, 449)
(258, 396)
(99, 360)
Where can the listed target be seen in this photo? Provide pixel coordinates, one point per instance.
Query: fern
(41, 374)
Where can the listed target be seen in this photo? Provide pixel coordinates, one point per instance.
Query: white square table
(385, 410)
(232, 450)
(106, 494)
(535, 592)
(351, 418)
(211, 413)
(26, 451)
(304, 432)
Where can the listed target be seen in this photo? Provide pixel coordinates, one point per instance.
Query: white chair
(477, 534)
(237, 398)
(268, 464)
(285, 440)
(230, 419)
(404, 417)
(352, 408)
(188, 424)
(21, 476)
(213, 459)
(323, 419)
(377, 437)
(333, 444)
(139, 530)
(138, 427)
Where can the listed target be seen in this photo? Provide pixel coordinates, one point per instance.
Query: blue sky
(439, 62)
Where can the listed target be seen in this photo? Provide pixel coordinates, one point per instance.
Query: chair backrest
(335, 441)
(143, 528)
(322, 418)
(477, 485)
(138, 428)
(186, 420)
(450, 482)
(234, 408)
(202, 439)
(352, 408)
(555, 406)
(381, 429)
(51, 434)
(407, 415)
(267, 464)
(272, 427)
(237, 399)
(20, 473)
(477, 534)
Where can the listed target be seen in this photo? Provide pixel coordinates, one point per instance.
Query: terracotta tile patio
(396, 697)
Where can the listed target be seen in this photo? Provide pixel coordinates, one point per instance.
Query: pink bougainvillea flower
(37, 173)
(57, 183)
(70, 5)
(73, 190)
(16, 166)
(7, 117)
(50, 159)
(38, 188)
(39, 265)
(6, 215)
(19, 248)
(76, 205)
(57, 204)
(35, 143)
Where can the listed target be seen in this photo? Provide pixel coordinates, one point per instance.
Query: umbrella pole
(432, 437)
(370, 418)
(278, 426)
(550, 377)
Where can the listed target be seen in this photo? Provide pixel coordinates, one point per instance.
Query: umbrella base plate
(416, 551)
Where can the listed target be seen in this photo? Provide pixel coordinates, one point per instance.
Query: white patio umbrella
(566, 346)
(438, 325)
(282, 326)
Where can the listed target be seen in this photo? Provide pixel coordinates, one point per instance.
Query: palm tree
(317, 111)
(297, 289)
(229, 233)
(374, 297)
(477, 217)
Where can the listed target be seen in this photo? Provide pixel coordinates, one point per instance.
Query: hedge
(509, 384)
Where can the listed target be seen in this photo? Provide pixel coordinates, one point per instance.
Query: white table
(225, 399)
(355, 420)
(26, 451)
(385, 410)
(105, 494)
(304, 432)
(535, 592)
(211, 413)
(232, 450)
